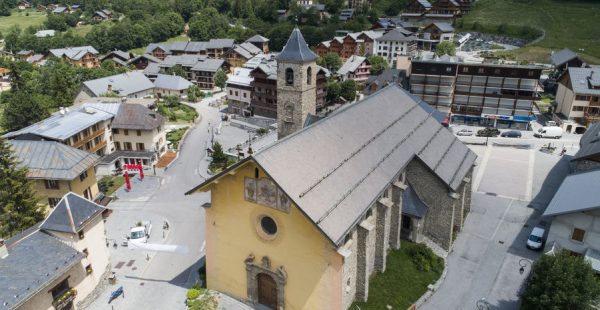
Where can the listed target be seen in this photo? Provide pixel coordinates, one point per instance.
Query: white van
(554, 132)
(536, 238)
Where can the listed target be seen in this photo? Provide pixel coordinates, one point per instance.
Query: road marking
(529, 186)
(501, 220)
(203, 246)
(482, 166)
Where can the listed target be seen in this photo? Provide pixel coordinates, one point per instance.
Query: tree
(22, 110)
(445, 48)
(177, 70)
(218, 156)
(220, 78)
(18, 205)
(331, 61)
(11, 41)
(208, 24)
(56, 22)
(333, 91)
(194, 93)
(348, 90)
(378, 64)
(561, 281)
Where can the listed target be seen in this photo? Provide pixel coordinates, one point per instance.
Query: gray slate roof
(172, 82)
(257, 39)
(74, 53)
(61, 127)
(589, 143)
(123, 84)
(351, 64)
(398, 35)
(336, 190)
(424, 3)
(209, 65)
(577, 193)
(71, 214)
(562, 56)
(52, 160)
(33, 261)
(296, 49)
(444, 27)
(152, 69)
(581, 81)
(137, 116)
(412, 204)
(45, 33)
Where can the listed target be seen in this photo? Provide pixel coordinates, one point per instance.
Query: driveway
(511, 187)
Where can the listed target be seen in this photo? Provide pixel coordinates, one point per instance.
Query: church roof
(296, 49)
(335, 191)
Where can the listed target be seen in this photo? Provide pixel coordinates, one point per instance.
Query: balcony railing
(64, 299)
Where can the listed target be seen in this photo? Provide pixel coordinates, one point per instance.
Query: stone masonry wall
(434, 193)
(349, 278)
(301, 96)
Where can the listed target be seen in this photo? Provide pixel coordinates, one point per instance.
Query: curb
(179, 146)
(431, 288)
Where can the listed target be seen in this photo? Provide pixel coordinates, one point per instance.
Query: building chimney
(3, 250)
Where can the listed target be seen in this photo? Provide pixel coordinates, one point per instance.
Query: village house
(31, 57)
(130, 84)
(59, 263)
(241, 53)
(239, 91)
(170, 85)
(434, 34)
(120, 58)
(564, 59)
(356, 68)
(102, 15)
(355, 43)
(387, 77)
(82, 56)
(61, 10)
(407, 176)
(396, 42)
(23, 5)
(203, 72)
(72, 170)
(574, 211)
(140, 62)
(578, 97)
(261, 42)
(85, 129)
(214, 48)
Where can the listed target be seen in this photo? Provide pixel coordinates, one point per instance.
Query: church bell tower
(296, 84)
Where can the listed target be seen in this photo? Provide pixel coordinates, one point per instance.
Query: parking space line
(501, 220)
(529, 186)
(481, 171)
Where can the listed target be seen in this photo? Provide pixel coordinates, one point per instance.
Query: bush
(193, 294)
(425, 259)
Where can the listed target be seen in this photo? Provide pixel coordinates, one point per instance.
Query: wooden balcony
(89, 137)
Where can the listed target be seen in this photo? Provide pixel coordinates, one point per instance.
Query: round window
(268, 225)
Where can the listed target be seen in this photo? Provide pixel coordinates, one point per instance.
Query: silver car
(464, 132)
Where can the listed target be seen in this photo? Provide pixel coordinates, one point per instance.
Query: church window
(289, 113)
(289, 76)
(308, 75)
(268, 225)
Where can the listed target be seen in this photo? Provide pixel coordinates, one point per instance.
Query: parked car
(511, 134)
(464, 132)
(141, 232)
(549, 132)
(536, 238)
(488, 132)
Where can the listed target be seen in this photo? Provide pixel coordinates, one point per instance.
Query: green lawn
(401, 284)
(178, 38)
(21, 19)
(109, 184)
(83, 29)
(179, 113)
(175, 136)
(573, 24)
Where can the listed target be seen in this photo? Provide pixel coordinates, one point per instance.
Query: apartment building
(355, 43)
(239, 91)
(241, 53)
(434, 34)
(356, 68)
(87, 129)
(82, 56)
(578, 95)
(264, 96)
(59, 263)
(137, 128)
(397, 42)
(214, 48)
(486, 94)
(72, 170)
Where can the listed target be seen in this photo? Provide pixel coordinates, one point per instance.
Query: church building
(305, 222)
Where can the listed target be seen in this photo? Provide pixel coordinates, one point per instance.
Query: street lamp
(522, 264)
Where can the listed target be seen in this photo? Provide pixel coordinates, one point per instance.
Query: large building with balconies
(578, 95)
(477, 93)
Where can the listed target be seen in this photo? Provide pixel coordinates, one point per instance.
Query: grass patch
(178, 38)
(178, 113)
(109, 184)
(405, 279)
(216, 168)
(175, 136)
(21, 19)
(83, 29)
(572, 24)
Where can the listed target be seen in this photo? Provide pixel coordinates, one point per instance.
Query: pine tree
(220, 78)
(18, 204)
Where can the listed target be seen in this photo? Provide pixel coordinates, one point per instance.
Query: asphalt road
(159, 280)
